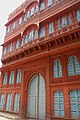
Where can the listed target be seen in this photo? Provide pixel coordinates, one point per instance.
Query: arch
(58, 103)
(16, 102)
(78, 15)
(31, 75)
(5, 78)
(8, 101)
(1, 101)
(36, 97)
(18, 76)
(75, 103)
(30, 3)
(73, 65)
(57, 69)
(29, 27)
(11, 77)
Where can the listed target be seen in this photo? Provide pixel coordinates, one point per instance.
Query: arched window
(28, 14)
(22, 42)
(11, 47)
(5, 79)
(75, 103)
(35, 34)
(18, 79)
(57, 69)
(59, 24)
(78, 15)
(64, 22)
(25, 17)
(11, 78)
(49, 2)
(16, 102)
(31, 34)
(8, 101)
(42, 6)
(42, 31)
(50, 28)
(17, 44)
(4, 51)
(73, 66)
(14, 25)
(69, 20)
(36, 8)
(20, 20)
(1, 101)
(58, 103)
(32, 11)
(8, 28)
(26, 38)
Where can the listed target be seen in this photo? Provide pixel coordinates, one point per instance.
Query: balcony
(39, 17)
(13, 33)
(21, 8)
(50, 40)
(57, 8)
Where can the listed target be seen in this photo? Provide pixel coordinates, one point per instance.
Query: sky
(6, 7)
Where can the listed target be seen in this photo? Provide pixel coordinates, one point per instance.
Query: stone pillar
(8, 74)
(2, 77)
(66, 102)
(22, 113)
(48, 94)
(74, 19)
(12, 103)
(64, 68)
(15, 75)
(4, 104)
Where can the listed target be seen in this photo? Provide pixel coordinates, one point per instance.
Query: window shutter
(78, 15)
(49, 2)
(58, 104)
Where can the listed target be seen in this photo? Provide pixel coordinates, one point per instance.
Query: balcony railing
(48, 37)
(46, 13)
(32, 20)
(21, 8)
(57, 8)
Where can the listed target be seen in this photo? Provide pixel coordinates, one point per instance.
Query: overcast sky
(6, 7)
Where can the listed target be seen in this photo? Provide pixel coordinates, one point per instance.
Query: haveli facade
(40, 75)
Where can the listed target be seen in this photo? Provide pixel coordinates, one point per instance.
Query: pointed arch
(75, 103)
(58, 103)
(57, 69)
(73, 65)
(36, 97)
(30, 3)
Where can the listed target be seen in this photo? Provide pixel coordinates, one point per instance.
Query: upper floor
(33, 34)
(31, 12)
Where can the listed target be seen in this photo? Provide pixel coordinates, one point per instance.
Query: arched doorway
(36, 98)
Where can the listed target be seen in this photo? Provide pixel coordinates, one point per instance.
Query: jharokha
(40, 73)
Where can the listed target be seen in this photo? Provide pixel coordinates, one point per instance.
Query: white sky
(6, 7)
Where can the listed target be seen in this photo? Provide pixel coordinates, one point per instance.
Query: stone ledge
(9, 116)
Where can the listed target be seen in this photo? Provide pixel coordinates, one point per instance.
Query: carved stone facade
(44, 42)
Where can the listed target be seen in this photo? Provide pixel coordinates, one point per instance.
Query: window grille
(73, 66)
(8, 102)
(11, 78)
(58, 104)
(75, 103)
(57, 69)
(1, 101)
(16, 102)
(18, 79)
(50, 28)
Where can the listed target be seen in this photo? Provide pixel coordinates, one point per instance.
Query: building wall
(38, 56)
(44, 66)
